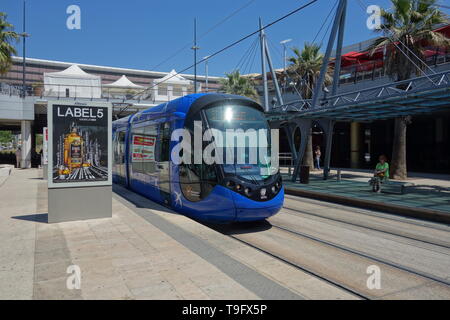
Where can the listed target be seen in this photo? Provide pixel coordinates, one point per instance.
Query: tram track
(373, 221)
(289, 210)
(371, 213)
(365, 255)
(337, 277)
(304, 269)
(338, 247)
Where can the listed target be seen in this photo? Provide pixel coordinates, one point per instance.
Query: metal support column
(326, 58)
(290, 136)
(329, 127)
(25, 133)
(337, 66)
(263, 70)
(305, 128)
(24, 35)
(272, 71)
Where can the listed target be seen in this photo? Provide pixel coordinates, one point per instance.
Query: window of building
(177, 91)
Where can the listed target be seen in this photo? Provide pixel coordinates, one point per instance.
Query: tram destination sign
(79, 144)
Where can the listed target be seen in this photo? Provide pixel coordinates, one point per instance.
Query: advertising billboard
(79, 144)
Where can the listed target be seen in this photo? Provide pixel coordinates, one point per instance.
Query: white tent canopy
(72, 82)
(123, 82)
(173, 78)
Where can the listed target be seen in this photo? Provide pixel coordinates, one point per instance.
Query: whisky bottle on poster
(73, 150)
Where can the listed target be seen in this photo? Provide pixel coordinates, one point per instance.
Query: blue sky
(141, 33)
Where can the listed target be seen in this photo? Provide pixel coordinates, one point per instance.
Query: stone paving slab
(144, 251)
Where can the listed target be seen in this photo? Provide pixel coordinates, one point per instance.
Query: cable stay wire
(247, 67)
(246, 54)
(300, 77)
(325, 21)
(250, 65)
(201, 36)
(227, 47)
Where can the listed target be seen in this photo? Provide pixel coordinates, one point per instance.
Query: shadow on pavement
(239, 227)
(140, 201)
(37, 217)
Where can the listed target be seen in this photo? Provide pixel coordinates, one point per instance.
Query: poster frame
(50, 125)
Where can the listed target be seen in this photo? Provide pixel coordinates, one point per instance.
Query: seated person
(381, 173)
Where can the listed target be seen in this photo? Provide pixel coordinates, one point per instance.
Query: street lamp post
(23, 35)
(195, 48)
(283, 43)
(206, 72)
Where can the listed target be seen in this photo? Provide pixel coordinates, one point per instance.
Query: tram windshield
(241, 124)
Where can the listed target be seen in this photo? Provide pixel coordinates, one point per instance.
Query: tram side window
(164, 142)
(115, 148)
(137, 142)
(148, 149)
(119, 147)
(196, 180)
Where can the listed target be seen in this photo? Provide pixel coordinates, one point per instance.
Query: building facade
(24, 93)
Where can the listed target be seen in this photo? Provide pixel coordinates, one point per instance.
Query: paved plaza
(144, 251)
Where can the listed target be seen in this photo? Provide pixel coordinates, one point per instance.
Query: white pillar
(26, 144)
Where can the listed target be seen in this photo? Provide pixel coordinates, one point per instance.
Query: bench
(397, 187)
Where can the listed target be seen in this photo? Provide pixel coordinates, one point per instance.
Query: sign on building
(79, 144)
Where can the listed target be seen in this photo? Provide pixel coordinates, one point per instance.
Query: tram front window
(247, 123)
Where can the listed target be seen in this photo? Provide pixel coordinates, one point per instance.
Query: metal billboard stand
(79, 161)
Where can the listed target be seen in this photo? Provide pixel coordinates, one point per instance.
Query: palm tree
(305, 70)
(410, 26)
(7, 36)
(235, 83)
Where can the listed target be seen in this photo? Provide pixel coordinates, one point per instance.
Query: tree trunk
(398, 163)
(308, 157)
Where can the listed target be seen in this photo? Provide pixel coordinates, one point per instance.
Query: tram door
(164, 163)
(119, 156)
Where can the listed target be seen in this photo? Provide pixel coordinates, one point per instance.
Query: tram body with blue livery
(142, 149)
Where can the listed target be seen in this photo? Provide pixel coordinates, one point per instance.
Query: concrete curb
(424, 214)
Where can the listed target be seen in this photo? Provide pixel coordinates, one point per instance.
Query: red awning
(364, 61)
(444, 30)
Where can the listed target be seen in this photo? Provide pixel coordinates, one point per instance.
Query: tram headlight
(248, 191)
(274, 189)
(230, 184)
(238, 187)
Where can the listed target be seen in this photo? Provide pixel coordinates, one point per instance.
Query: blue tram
(142, 153)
